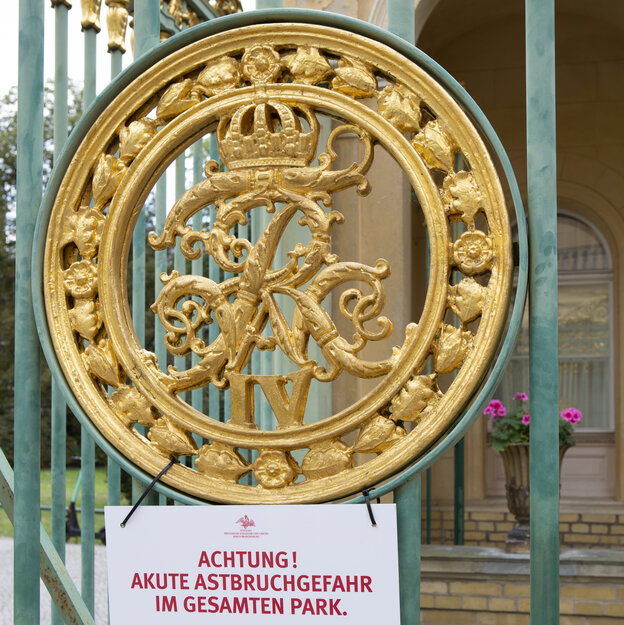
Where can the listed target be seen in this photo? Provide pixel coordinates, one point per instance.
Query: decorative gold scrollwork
(263, 102)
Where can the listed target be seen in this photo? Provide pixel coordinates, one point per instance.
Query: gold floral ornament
(108, 174)
(275, 469)
(261, 64)
(473, 252)
(81, 279)
(261, 92)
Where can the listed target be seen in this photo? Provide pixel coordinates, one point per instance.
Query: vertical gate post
(542, 202)
(146, 35)
(59, 411)
(87, 443)
(27, 398)
(407, 496)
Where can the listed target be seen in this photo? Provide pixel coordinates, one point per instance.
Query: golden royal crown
(268, 134)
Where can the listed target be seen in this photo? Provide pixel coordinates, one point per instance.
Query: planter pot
(516, 463)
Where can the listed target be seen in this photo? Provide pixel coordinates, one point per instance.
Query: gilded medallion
(263, 92)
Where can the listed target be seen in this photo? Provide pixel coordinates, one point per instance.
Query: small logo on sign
(246, 522)
(245, 531)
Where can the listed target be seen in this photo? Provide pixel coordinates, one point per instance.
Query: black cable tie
(369, 508)
(147, 490)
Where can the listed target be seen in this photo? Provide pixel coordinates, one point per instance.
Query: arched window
(585, 328)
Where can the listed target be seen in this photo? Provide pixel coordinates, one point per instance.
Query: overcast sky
(9, 44)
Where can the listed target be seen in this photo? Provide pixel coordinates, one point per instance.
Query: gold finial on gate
(117, 22)
(225, 7)
(90, 14)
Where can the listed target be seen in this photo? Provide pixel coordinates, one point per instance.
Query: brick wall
(484, 586)
(489, 528)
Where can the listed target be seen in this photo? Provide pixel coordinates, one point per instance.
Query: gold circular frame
(389, 99)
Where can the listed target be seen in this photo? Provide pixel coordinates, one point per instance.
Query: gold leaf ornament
(177, 98)
(133, 407)
(462, 196)
(400, 107)
(308, 65)
(450, 348)
(467, 299)
(101, 360)
(275, 469)
(221, 461)
(171, 438)
(436, 147)
(86, 318)
(134, 137)
(86, 230)
(325, 459)
(377, 435)
(108, 174)
(413, 398)
(473, 252)
(221, 75)
(354, 79)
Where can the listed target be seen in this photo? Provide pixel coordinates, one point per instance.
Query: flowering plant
(513, 427)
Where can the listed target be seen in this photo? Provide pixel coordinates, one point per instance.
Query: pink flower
(522, 396)
(525, 418)
(573, 415)
(496, 409)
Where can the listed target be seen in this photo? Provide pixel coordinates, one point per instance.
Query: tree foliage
(8, 178)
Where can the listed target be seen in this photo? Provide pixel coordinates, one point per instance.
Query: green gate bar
(113, 470)
(58, 432)
(27, 398)
(543, 349)
(458, 492)
(87, 444)
(401, 22)
(146, 36)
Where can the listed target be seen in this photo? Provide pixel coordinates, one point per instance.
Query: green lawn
(6, 529)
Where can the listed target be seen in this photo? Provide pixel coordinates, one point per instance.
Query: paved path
(73, 566)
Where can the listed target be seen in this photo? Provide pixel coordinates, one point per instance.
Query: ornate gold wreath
(263, 101)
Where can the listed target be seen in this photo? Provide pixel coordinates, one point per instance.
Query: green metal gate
(35, 553)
